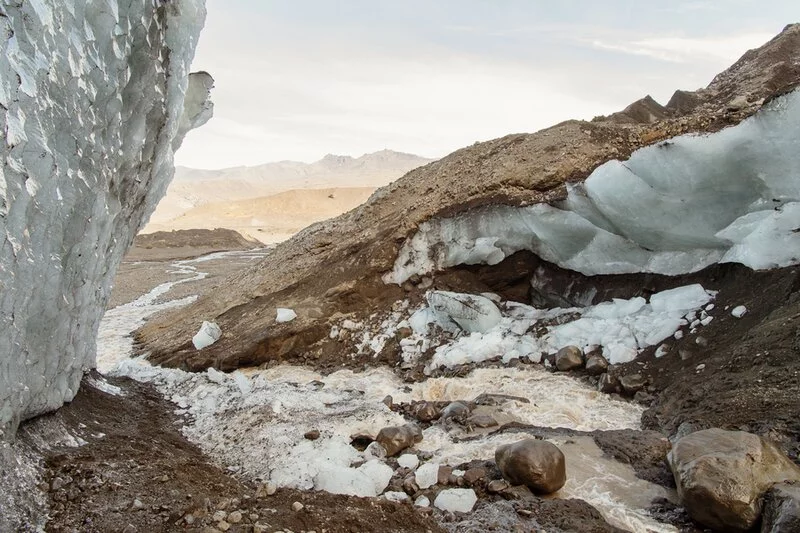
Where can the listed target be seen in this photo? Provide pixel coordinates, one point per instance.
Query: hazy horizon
(296, 81)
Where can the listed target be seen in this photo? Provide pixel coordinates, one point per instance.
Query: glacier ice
(456, 500)
(208, 334)
(468, 312)
(671, 208)
(285, 315)
(92, 98)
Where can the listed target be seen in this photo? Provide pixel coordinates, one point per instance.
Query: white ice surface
(208, 334)
(285, 315)
(671, 208)
(456, 500)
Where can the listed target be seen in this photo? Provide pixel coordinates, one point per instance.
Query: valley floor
(135, 469)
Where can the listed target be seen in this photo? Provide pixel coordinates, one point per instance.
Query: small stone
(253, 517)
(260, 528)
(422, 501)
(455, 410)
(219, 516)
(569, 358)
(427, 412)
(189, 519)
(388, 401)
(130, 528)
(271, 488)
(137, 504)
(410, 485)
(632, 383)
(596, 364)
(312, 435)
(497, 485)
(297, 506)
(445, 472)
(57, 483)
(223, 526)
(474, 475)
(699, 368)
(607, 383)
(235, 517)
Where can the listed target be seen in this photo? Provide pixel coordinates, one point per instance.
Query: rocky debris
(569, 358)
(473, 475)
(632, 383)
(722, 476)
(427, 411)
(445, 475)
(297, 506)
(497, 485)
(457, 410)
(537, 464)
(608, 383)
(781, 509)
(395, 439)
(596, 365)
(456, 500)
(311, 435)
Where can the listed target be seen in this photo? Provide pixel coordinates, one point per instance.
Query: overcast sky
(297, 79)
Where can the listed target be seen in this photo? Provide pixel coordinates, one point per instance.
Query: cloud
(685, 49)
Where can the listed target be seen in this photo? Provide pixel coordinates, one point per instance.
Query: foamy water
(254, 420)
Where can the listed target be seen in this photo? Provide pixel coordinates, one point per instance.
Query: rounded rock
(596, 364)
(569, 358)
(395, 439)
(537, 464)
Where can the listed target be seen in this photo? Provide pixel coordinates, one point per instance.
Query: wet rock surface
(539, 465)
(722, 476)
(781, 509)
(397, 438)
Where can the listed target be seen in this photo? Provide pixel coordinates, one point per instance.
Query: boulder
(537, 464)
(395, 439)
(596, 364)
(632, 383)
(426, 411)
(607, 383)
(781, 509)
(569, 358)
(722, 476)
(455, 410)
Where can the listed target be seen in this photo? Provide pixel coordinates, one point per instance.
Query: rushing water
(253, 421)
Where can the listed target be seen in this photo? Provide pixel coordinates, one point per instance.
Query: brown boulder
(723, 475)
(596, 364)
(395, 439)
(537, 464)
(569, 358)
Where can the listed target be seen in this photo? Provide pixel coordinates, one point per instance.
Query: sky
(298, 79)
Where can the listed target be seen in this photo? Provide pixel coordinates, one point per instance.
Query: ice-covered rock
(739, 311)
(208, 334)
(285, 315)
(95, 97)
(471, 313)
(456, 500)
(671, 208)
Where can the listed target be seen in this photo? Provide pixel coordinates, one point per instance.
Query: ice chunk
(379, 473)
(427, 475)
(394, 496)
(456, 500)
(470, 312)
(680, 299)
(739, 311)
(209, 334)
(408, 460)
(285, 315)
(422, 501)
(242, 382)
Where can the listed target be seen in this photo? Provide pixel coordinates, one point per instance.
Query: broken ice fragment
(739, 311)
(469, 312)
(456, 500)
(285, 315)
(209, 334)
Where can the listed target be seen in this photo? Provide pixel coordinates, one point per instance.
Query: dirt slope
(335, 267)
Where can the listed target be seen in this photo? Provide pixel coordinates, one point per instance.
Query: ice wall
(91, 111)
(672, 208)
